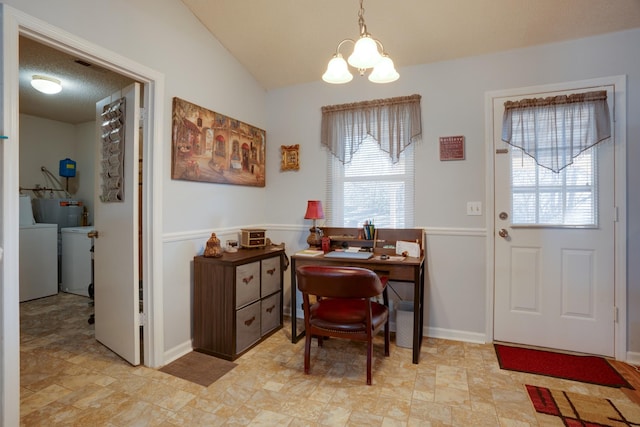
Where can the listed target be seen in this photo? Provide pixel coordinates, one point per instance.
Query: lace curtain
(555, 130)
(394, 123)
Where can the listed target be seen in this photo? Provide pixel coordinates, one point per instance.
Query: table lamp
(314, 212)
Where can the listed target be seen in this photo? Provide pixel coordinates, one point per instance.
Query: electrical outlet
(474, 208)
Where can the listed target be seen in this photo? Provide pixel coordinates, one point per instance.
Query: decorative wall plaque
(452, 147)
(290, 157)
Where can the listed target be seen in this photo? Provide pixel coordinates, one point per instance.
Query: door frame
(14, 24)
(620, 191)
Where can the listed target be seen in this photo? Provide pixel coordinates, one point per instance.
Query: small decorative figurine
(213, 249)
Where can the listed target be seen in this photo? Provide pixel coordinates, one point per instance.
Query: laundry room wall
(45, 142)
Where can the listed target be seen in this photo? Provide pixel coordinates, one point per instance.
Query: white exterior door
(116, 278)
(554, 284)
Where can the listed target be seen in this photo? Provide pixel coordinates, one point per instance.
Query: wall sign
(452, 147)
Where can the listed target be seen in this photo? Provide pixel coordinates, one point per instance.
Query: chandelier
(365, 55)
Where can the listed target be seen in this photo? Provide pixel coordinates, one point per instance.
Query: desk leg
(418, 312)
(295, 337)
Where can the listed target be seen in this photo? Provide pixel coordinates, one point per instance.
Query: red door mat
(587, 369)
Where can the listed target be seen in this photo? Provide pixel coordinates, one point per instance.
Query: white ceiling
(288, 42)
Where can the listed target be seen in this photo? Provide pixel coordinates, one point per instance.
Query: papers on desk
(412, 249)
(349, 255)
(309, 252)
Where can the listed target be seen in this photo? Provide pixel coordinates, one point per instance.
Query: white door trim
(620, 268)
(15, 23)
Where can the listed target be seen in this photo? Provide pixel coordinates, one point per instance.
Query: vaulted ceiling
(288, 42)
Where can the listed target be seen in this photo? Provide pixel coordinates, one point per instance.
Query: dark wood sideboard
(237, 300)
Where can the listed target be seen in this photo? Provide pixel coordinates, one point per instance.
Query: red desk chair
(343, 307)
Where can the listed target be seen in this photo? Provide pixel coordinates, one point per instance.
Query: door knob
(503, 233)
(93, 234)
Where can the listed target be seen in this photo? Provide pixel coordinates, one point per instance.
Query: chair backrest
(338, 282)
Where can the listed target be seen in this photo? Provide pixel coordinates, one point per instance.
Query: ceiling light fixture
(45, 84)
(365, 55)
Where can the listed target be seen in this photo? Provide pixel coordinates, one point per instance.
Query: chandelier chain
(363, 26)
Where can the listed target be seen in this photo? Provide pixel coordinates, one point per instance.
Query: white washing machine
(76, 260)
(38, 261)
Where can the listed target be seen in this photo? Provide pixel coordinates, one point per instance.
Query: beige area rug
(199, 368)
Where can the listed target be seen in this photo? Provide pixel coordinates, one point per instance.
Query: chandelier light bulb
(384, 71)
(365, 53)
(45, 84)
(337, 71)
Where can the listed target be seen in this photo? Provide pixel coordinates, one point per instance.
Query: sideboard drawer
(248, 326)
(247, 283)
(270, 313)
(270, 276)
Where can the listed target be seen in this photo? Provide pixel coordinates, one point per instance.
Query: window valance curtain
(394, 123)
(555, 130)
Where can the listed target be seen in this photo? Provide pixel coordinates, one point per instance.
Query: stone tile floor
(68, 378)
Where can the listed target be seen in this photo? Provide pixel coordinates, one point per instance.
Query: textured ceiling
(83, 84)
(288, 42)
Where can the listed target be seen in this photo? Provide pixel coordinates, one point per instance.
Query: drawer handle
(250, 321)
(270, 272)
(270, 309)
(246, 280)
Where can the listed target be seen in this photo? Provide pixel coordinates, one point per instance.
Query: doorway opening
(70, 113)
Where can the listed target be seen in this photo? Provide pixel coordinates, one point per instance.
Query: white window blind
(371, 188)
(543, 197)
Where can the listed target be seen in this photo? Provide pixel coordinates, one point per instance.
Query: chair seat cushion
(346, 315)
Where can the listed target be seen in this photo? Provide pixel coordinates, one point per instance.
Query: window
(554, 157)
(543, 197)
(371, 188)
(370, 147)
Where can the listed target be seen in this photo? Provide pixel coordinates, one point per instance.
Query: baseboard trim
(456, 335)
(177, 352)
(633, 358)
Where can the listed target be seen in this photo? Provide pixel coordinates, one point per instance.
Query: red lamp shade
(314, 210)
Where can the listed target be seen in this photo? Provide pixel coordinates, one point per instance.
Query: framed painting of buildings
(211, 147)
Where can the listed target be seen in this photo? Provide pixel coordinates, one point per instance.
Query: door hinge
(142, 319)
(615, 214)
(615, 314)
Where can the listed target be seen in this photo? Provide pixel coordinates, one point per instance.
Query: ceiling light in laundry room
(45, 84)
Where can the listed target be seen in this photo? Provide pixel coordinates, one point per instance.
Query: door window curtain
(394, 123)
(555, 130)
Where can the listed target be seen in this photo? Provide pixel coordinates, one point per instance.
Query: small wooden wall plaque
(452, 147)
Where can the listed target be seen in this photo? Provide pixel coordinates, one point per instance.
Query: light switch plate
(474, 208)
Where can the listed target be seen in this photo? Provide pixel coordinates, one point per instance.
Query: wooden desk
(408, 270)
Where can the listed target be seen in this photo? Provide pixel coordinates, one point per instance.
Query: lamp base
(315, 237)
